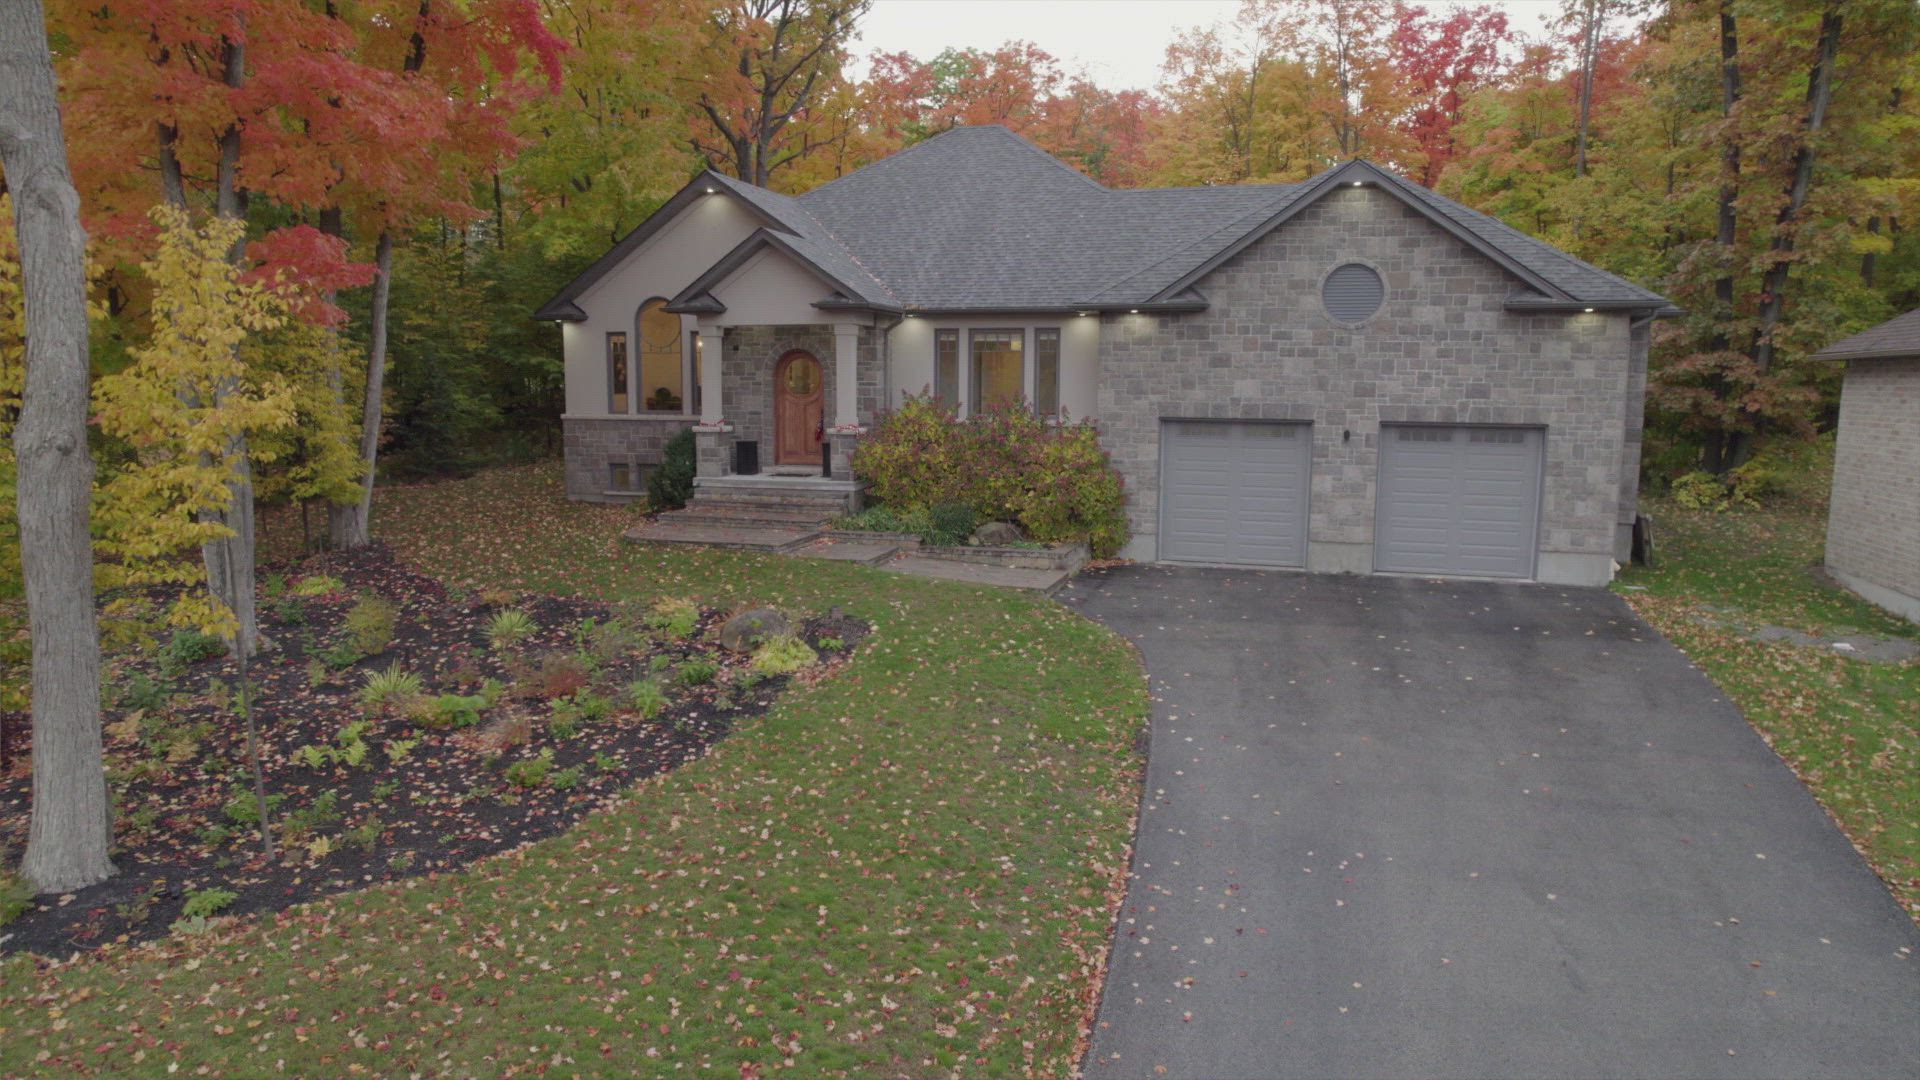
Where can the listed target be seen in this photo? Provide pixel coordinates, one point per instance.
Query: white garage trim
(1234, 492)
(1458, 500)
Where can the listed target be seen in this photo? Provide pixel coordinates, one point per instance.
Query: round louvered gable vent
(1353, 293)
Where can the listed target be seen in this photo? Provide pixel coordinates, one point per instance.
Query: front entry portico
(799, 424)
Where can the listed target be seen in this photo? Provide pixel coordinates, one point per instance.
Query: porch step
(667, 529)
(772, 516)
(826, 501)
(812, 503)
(865, 553)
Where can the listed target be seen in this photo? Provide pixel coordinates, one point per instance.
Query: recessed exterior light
(1134, 311)
(709, 191)
(1589, 311)
(1359, 183)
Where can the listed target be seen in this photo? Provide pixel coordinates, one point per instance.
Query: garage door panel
(1458, 500)
(1234, 492)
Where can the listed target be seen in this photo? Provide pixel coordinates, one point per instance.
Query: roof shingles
(980, 219)
(1896, 339)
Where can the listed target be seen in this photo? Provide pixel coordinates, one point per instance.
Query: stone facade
(1442, 349)
(746, 374)
(1873, 525)
(747, 369)
(593, 444)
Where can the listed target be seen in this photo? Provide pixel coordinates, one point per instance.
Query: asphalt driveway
(1407, 828)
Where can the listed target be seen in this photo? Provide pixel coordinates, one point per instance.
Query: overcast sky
(1120, 42)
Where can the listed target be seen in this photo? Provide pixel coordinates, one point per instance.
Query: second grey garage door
(1234, 492)
(1458, 500)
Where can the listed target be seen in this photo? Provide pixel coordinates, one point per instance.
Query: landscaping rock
(745, 631)
(997, 534)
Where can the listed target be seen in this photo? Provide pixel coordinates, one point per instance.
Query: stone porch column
(713, 435)
(711, 411)
(846, 376)
(845, 431)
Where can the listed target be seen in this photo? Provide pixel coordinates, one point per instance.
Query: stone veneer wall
(746, 372)
(1442, 349)
(591, 445)
(1873, 524)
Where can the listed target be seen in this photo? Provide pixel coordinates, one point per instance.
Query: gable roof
(979, 219)
(1896, 339)
(853, 286)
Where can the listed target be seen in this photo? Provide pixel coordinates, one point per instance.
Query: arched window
(662, 360)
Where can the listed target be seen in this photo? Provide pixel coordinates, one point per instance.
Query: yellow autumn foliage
(186, 406)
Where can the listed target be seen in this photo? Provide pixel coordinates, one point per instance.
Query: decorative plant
(530, 772)
(1004, 463)
(784, 655)
(395, 687)
(670, 484)
(370, 624)
(698, 672)
(206, 903)
(647, 697)
(673, 618)
(509, 627)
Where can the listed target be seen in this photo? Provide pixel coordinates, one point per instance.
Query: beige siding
(773, 290)
(665, 264)
(1873, 527)
(910, 349)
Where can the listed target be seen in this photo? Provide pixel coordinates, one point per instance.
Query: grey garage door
(1458, 500)
(1234, 492)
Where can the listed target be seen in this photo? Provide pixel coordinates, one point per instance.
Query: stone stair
(751, 518)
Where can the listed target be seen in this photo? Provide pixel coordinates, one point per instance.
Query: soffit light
(1589, 311)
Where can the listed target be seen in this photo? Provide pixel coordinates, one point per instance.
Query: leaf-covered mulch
(422, 792)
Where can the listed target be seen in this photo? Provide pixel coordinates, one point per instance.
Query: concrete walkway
(1405, 828)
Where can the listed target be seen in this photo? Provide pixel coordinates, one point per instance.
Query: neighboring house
(1346, 374)
(1873, 521)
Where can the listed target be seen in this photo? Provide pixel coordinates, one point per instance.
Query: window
(621, 476)
(662, 359)
(999, 368)
(1352, 293)
(1046, 372)
(946, 367)
(698, 351)
(617, 373)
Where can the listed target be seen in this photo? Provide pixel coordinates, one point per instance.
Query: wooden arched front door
(797, 404)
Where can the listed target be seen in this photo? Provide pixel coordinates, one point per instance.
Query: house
(1346, 374)
(1873, 521)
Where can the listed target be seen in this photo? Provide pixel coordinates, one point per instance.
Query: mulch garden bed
(529, 735)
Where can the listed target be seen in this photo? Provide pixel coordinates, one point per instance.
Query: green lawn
(1850, 728)
(905, 869)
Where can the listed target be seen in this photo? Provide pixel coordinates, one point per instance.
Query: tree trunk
(1819, 96)
(71, 833)
(348, 525)
(1589, 50)
(1716, 449)
(229, 560)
